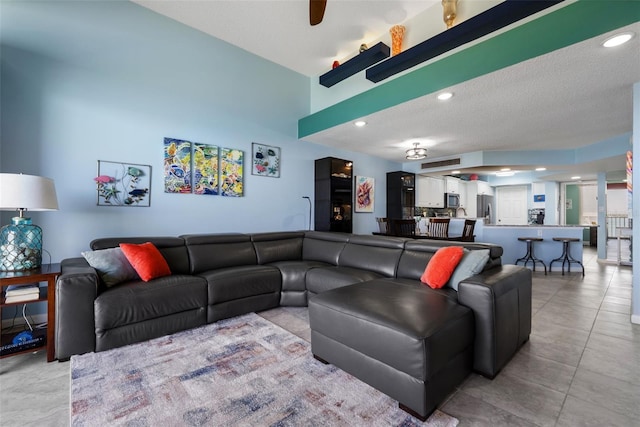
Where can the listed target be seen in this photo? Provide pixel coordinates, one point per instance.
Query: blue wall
(92, 81)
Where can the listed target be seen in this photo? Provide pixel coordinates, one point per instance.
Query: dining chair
(383, 225)
(467, 231)
(403, 227)
(439, 227)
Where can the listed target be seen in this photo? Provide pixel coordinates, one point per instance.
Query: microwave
(451, 200)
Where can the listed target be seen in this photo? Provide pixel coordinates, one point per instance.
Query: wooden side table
(46, 273)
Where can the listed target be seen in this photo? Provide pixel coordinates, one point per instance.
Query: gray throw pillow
(111, 264)
(472, 263)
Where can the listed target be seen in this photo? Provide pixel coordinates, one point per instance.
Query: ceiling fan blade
(316, 11)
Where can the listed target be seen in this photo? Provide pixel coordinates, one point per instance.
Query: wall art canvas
(265, 160)
(123, 184)
(205, 169)
(364, 194)
(177, 166)
(231, 172)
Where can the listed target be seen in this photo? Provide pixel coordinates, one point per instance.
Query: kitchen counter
(546, 250)
(537, 225)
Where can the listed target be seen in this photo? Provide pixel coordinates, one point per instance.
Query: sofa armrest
(76, 290)
(501, 302)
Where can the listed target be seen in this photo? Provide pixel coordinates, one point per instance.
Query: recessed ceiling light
(455, 172)
(360, 123)
(617, 40)
(541, 169)
(505, 173)
(505, 169)
(575, 177)
(445, 95)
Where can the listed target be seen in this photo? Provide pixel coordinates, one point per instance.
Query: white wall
(617, 199)
(109, 80)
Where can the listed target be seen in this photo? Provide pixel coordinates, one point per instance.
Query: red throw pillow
(146, 259)
(441, 266)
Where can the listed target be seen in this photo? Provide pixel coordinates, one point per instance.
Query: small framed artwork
(123, 184)
(231, 172)
(265, 160)
(538, 197)
(177, 166)
(205, 169)
(365, 192)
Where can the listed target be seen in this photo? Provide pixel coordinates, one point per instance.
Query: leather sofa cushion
(422, 330)
(373, 253)
(323, 279)
(173, 249)
(274, 247)
(417, 255)
(495, 251)
(294, 273)
(446, 291)
(323, 246)
(219, 251)
(138, 301)
(234, 283)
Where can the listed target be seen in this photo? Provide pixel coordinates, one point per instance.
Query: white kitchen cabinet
(475, 188)
(485, 188)
(430, 192)
(452, 185)
(462, 190)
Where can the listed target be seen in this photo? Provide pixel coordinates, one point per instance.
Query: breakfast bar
(546, 250)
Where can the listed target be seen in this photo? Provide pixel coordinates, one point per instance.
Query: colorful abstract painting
(123, 184)
(231, 172)
(205, 169)
(177, 166)
(364, 194)
(266, 160)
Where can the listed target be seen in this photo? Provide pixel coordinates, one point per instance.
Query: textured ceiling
(570, 98)
(280, 32)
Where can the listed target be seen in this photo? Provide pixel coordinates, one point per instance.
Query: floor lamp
(21, 241)
(308, 200)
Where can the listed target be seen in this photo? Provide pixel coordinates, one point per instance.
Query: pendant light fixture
(416, 153)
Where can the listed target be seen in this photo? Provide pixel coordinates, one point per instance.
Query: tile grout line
(584, 348)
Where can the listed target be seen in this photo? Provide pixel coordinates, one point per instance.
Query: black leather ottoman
(412, 343)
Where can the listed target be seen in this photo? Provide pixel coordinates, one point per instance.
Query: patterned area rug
(243, 371)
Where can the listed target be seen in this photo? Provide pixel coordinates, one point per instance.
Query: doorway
(511, 205)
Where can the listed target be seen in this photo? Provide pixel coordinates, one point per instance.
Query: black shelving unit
(356, 64)
(401, 195)
(491, 20)
(333, 195)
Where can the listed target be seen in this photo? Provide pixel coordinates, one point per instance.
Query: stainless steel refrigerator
(486, 208)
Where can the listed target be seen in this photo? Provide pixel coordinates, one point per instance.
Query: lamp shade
(30, 192)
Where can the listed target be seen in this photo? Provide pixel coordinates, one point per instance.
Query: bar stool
(566, 255)
(530, 256)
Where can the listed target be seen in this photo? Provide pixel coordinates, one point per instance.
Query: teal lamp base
(20, 245)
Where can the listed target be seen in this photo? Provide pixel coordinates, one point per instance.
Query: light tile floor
(579, 368)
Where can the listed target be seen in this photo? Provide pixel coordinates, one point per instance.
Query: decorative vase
(363, 47)
(335, 65)
(449, 12)
(397, 33)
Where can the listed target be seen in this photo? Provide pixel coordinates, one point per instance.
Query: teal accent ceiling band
(566, 26)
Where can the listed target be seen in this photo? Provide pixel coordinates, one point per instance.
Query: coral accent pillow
(146, 259)
(441, 266)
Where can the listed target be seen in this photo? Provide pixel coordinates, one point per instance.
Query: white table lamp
(21, 241)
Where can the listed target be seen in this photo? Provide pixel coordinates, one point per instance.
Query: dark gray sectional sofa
(368, 283)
